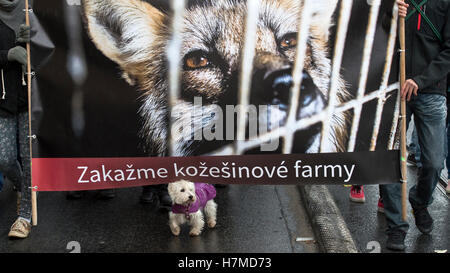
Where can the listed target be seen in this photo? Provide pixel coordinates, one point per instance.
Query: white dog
(188, 200)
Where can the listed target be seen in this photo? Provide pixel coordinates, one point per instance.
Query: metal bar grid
(364, 72)
(344, 18)
(293, 125)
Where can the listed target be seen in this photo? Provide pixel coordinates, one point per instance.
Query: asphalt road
(251, 219)
(367, 225)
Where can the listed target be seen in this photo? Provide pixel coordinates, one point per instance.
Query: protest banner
(275, 92)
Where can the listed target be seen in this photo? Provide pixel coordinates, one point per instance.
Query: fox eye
(196, 60)
(182, 190)
(288, 41)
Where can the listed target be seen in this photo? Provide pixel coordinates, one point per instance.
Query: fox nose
(281, 84)
(191, 197)
(277, 89)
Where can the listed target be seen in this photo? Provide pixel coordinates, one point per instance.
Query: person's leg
(165, 202)
(149, 195)
(448, 148)
(448, 144)
(430, 116)
(415, 147)
(448, 151)
(9, 164)
(8, 150)
(411, 143)
(106, 194)
(396, 227)
(25, 203)
(390, 201)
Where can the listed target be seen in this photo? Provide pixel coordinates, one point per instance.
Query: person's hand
(409, 88)
(18, 54)
(402, 8)
(24, 34)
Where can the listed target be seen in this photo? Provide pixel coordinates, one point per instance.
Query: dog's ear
(172, 189)
(322, 15)
(123, 29)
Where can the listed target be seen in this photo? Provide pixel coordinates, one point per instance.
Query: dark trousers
(14, 131)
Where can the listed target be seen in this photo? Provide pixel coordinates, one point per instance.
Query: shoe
(396, 240)
(411, 160)
(357, 194)
(148, 195)
(380, 205)
(106, 194)
(20, 229)
(447, 189)
(424, 222)
(74, 195)
(220, 186)
(165, 202)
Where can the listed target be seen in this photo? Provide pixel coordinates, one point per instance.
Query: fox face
(136, 35)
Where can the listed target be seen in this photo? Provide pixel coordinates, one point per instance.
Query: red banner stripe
(78, 174)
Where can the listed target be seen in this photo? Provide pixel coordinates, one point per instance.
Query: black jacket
(16, 99)
(428, 58)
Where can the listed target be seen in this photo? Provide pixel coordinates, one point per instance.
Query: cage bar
(297, 73)
(384, 82)
(174, 59)
(246, 71)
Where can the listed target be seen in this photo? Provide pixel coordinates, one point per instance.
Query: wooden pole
(30, 138)
(403, 117)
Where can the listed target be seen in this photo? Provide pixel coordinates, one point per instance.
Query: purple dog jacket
(204, 193)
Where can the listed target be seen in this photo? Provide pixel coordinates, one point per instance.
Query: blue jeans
(1, 182)
(430, 112)
(448, 146)
(414, 148)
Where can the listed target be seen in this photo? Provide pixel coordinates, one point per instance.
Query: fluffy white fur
(180, 193)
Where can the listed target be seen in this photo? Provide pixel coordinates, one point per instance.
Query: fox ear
(322, 17)
(122, 29)
(322, 14)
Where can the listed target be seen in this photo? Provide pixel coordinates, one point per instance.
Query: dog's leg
(197, 223)
(211, 213)
(174, 224)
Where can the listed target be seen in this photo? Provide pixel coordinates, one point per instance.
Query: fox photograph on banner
(139, 93)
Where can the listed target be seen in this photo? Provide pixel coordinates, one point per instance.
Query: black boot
(106, 194)
(396, 240)
(424, 222)
(74, 195)
(165, 202)
(148, 195)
